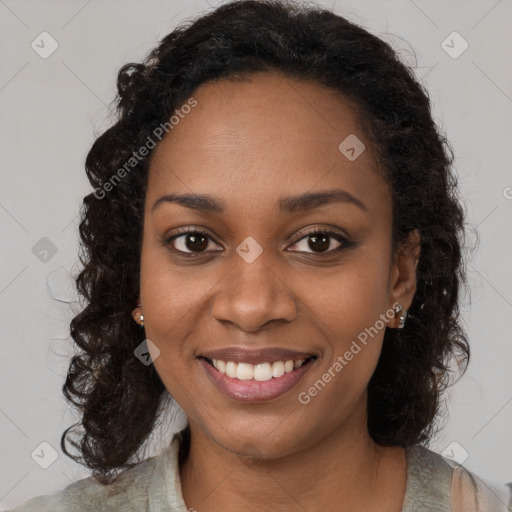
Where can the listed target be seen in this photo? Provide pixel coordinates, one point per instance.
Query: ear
(403, 272)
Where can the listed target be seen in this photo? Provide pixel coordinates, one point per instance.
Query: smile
(255, 382)
(260, 372)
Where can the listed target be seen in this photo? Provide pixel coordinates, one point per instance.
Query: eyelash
(345, 243)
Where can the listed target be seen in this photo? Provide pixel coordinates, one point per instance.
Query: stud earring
(403, 316)
(138, 316)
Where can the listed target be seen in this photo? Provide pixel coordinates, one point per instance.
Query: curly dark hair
(117, 396)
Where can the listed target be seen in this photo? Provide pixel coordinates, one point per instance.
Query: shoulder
(429, 477)
(436, 481)
(471, 493)
(130, 488)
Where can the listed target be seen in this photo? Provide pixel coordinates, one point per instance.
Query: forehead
(253, 141)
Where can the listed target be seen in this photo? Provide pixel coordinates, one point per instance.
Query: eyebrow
(291, 204)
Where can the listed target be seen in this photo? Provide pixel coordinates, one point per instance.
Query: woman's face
(260, 278)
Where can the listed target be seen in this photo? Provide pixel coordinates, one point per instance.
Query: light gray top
(154, 486)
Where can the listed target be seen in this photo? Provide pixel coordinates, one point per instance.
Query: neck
(344, 470)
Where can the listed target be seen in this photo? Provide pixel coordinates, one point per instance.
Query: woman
(274, 239)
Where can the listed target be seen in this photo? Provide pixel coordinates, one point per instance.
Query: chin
(260, 442)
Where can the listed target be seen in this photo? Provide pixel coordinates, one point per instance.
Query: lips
(256, 356)
(252, 390)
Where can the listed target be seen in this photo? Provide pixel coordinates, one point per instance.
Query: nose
(252, 295)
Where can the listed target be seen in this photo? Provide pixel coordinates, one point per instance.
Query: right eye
(189, 242)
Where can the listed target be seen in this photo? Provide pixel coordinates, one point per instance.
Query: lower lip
(253, 390)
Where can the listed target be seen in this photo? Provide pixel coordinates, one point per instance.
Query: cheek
(165, 307)
(351, 314)
(169, 293)
(353, 329)
(351, 297)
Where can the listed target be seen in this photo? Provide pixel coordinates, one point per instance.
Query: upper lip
(256, 355)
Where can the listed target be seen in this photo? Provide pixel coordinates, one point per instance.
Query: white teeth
(263, 371)
(259, 372)
(288, 366)
(231, 369)
(278, 369)
(244, 371)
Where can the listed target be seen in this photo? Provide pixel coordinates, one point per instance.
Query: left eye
(321, 241)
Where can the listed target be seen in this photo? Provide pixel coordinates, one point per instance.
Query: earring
(138, 316)
(402, 318)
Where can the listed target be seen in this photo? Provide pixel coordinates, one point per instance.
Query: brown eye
(189, 242)
(196, 242)
(321, 242)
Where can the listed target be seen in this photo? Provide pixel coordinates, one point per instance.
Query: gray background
(53, 108)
